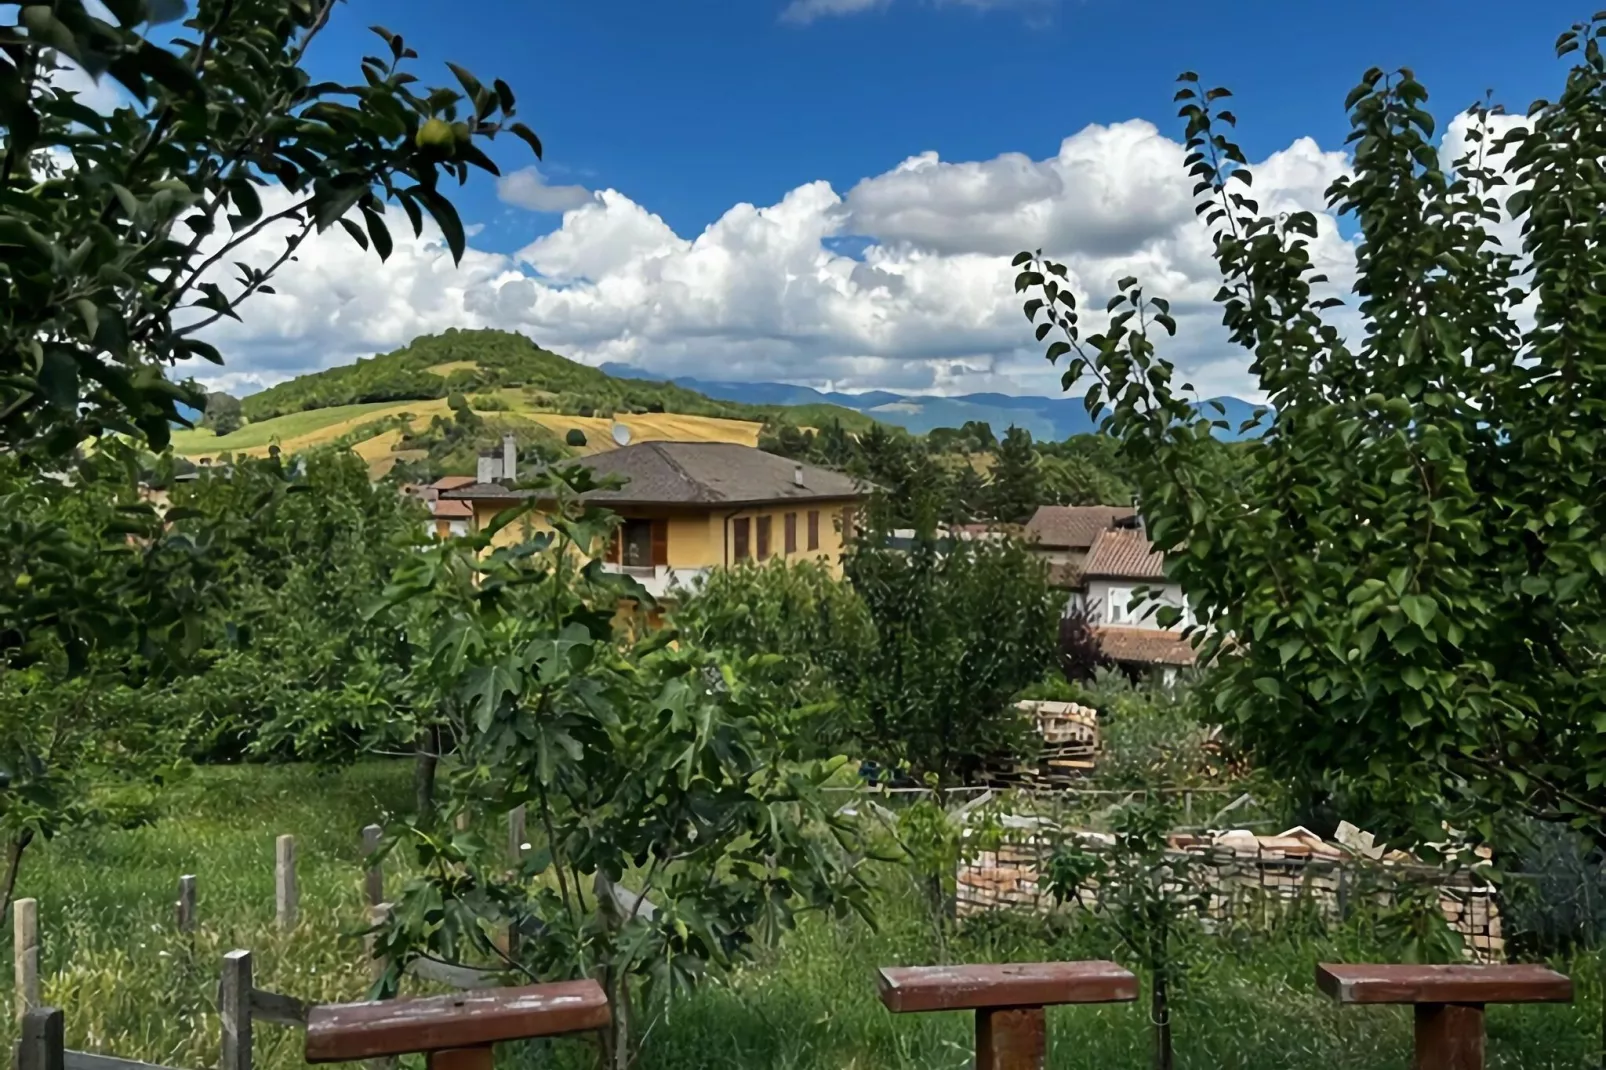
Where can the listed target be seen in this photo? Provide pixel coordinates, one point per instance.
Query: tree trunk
(1160, 1017)
(424, 773)
(8, 883)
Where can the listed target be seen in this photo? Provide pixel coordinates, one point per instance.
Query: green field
(133, 986)
(288, 427)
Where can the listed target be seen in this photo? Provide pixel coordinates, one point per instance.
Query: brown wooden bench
(457, 1031)
(1008, 1001)
(1449, 1001)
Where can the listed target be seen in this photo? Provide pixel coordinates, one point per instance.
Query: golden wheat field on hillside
(320, 427)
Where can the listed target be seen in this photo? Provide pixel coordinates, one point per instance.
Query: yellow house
(688, 507)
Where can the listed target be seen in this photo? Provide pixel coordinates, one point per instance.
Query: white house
(1119, 563)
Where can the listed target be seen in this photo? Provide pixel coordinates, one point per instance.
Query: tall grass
(134, 987)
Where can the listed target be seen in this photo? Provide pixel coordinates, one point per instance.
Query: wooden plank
(1373, 983)
(447, 973)
(340, 1032)
(278, 1008)
(373, 881)
(234, 1009)
(87, 1060)
(184, 909)
(1025, 984)
(25, 954)
(42, 1045)
(286, 895)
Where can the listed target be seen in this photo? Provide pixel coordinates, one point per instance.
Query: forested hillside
(436, 366)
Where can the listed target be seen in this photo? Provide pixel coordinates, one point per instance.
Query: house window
(636, 543)
(1118, 608)
(741, 531)
(791, 533)
(814, 529)
(763, 538)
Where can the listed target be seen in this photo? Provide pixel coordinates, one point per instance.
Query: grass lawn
(134, 987)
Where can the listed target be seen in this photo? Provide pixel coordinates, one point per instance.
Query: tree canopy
(1405, 583)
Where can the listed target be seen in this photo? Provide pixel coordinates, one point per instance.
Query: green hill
(476, 362)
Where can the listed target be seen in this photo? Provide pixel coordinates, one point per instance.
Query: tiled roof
(1072, 527)
(694, 473)
(1144, 646)
(1123, 554)
(452, 482)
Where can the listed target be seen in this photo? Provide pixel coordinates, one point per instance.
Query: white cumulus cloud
(900, 282)
(528, 188)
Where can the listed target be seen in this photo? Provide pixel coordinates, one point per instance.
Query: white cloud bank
(902, 282)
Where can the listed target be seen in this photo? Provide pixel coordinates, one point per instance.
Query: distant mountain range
(1045, 417)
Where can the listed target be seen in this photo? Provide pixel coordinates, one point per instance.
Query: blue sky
(688, 110)
(692, 106)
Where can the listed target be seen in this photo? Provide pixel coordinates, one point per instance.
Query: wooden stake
(25, 954)
(374, 878)
(376, 964)
(43, 1045)
(185, 907)
(515, 834)
(287, 896)
(234, 1008)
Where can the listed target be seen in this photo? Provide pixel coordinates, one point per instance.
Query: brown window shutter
(660, 542)
(739, 536)
(791, 533)
(814, 529)
(615, 547)
(763, 538)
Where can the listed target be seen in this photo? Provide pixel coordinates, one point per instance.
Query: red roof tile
(1145, 646)
(1123, 554)
(1072, 527)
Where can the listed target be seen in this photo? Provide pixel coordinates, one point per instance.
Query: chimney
(797, 474)
(487, 470)
(510, 457)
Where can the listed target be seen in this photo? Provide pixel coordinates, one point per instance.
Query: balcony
(661, 581)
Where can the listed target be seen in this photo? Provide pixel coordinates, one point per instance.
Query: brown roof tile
(1123, 554)
(695, 473)
(1072, 527)
(1146, 646)
(452, 482)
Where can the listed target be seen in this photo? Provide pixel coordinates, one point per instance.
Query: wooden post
(185, 907)
(374, 878)
(1449, 1036)
(287, 898)
(376, 964)
(234, 1008)
(515, 834)
(25, 954)
(1011, 1038)
(43, 1045)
